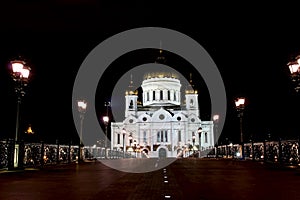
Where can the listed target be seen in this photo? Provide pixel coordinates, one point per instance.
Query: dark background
(250, 44)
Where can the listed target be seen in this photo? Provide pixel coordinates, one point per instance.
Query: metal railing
(39, 154)
(282, 151)
(42, 154)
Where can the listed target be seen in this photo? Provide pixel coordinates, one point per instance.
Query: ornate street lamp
(124, 149)
(240, 105)
(294, 67)
(193, 140)
(105, 120)
(199, 134)
(81, 104)
(20, 74)
(216, 120)
(130, 149)
(135, 147)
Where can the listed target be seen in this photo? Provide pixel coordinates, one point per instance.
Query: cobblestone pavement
(201, 179)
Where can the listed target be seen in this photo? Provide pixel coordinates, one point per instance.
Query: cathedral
(161, 124)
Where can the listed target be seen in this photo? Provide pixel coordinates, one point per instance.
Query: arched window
(118, 139)
(147, 96)
(145, 137)
(131, 104)
(174, 95)
(166, 136)
(153, 95)
(192, 102)
(169, 95)
(205, 137)
(162, 136)
(179, 135)
(161, 95)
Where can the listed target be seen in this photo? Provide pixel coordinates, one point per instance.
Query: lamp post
(105, 120)
(240, 105)
(130, 141)
(135, 147)
(124, 149)
(193, 140)
(81, 104)
(294, 67)
(138, 150)
(20, 74)
(199, 134)
(216, 120)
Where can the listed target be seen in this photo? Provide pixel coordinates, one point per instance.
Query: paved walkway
(192, 178)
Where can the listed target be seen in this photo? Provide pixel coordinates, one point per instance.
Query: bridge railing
(38, 154)
(4, 148)
(283, 151)
(42, 154)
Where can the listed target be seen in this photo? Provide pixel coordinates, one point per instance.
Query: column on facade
(201, 139)
(177, 96)
(185, 134)
(165, 94)
(150, 141)
(212, 135)
(138, 140)
(172, 95)
(157, 95)
(113, 141)
(172, 138)
(124, 141)
(150, 95)
(145, 96)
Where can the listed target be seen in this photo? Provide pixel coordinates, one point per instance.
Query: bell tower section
(191, 99)
(131, 97)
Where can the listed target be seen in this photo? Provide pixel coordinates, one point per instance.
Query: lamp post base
(16, 155)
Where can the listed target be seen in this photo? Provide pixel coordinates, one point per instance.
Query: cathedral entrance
(162, 153)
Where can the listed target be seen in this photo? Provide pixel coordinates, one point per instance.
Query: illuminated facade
(161, 125)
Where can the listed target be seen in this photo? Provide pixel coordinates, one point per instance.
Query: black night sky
(250, 44)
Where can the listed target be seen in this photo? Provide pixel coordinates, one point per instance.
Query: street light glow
(19, 69)
(17, 66)
(294, 67)
(240, 102)
(82, 104)
(24, 73)
(216, 117)
(106, 119)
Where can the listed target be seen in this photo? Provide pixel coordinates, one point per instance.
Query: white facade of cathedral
(162, 126)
